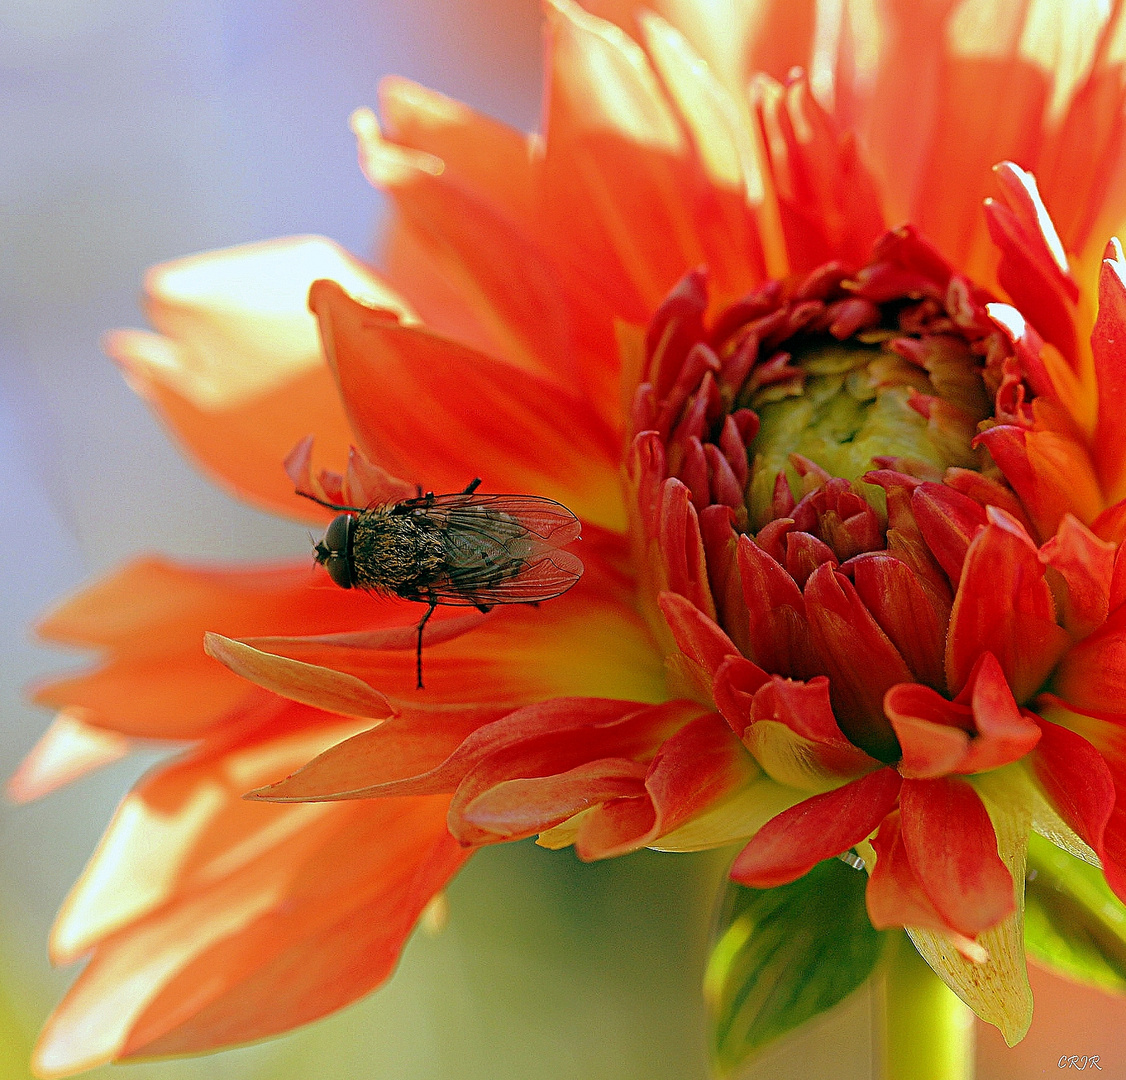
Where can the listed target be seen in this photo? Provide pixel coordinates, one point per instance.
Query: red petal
(1106, 344)
(905, 612)
(1005, 733)
(953, 851)
(696, 767)
(933, 733)
(1078, 783)
(792, 843)
(1004, 606)
(778, 629)
(697, 636)
(949, 521)
(1092, 676)
(859, 659)
(524, 806)
(1086, 564)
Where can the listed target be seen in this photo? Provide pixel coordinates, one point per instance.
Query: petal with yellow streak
(997, 990)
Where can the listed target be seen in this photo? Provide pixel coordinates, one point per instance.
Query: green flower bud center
(849, 402)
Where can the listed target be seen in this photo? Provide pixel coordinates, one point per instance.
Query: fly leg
(422, 623)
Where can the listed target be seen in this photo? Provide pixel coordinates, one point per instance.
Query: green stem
(928, 1031)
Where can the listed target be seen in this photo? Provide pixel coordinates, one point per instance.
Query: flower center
(795, 418)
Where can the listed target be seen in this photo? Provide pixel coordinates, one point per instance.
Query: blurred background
(137, 131)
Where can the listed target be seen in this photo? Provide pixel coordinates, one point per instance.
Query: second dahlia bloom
(852, 494)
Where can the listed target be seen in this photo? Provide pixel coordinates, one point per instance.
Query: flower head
(852, 501)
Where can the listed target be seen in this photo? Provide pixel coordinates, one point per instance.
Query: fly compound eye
(339, 568)
(338, 536)
(334, 552)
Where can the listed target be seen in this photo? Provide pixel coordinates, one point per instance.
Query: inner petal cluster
(805, 470)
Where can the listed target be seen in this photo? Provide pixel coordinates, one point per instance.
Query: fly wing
(502, 549)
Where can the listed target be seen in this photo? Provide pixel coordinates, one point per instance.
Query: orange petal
(70, 748)
(281, 943)
(309, 684)
(185, 825)
(579, 644)
(238, 374)
(432, 410)
(607, 117)
(150, 618)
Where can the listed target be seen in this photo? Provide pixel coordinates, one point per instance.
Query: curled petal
(1086, 564)
(818, 828)
(698, 767)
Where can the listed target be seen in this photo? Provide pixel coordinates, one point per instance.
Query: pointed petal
(310, 684)
(779, 630)
(862, 664)
(1004, 606)
(1034, 269)
(71, 747)
(1106, 338)
(997, 990)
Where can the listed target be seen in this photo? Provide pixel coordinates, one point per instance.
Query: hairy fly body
(466, 549)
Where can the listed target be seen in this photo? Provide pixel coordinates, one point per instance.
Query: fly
(463, 550)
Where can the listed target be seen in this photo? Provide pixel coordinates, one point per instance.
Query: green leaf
(1073, 923)
(783, 955)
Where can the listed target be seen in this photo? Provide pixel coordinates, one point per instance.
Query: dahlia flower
(850, 464)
